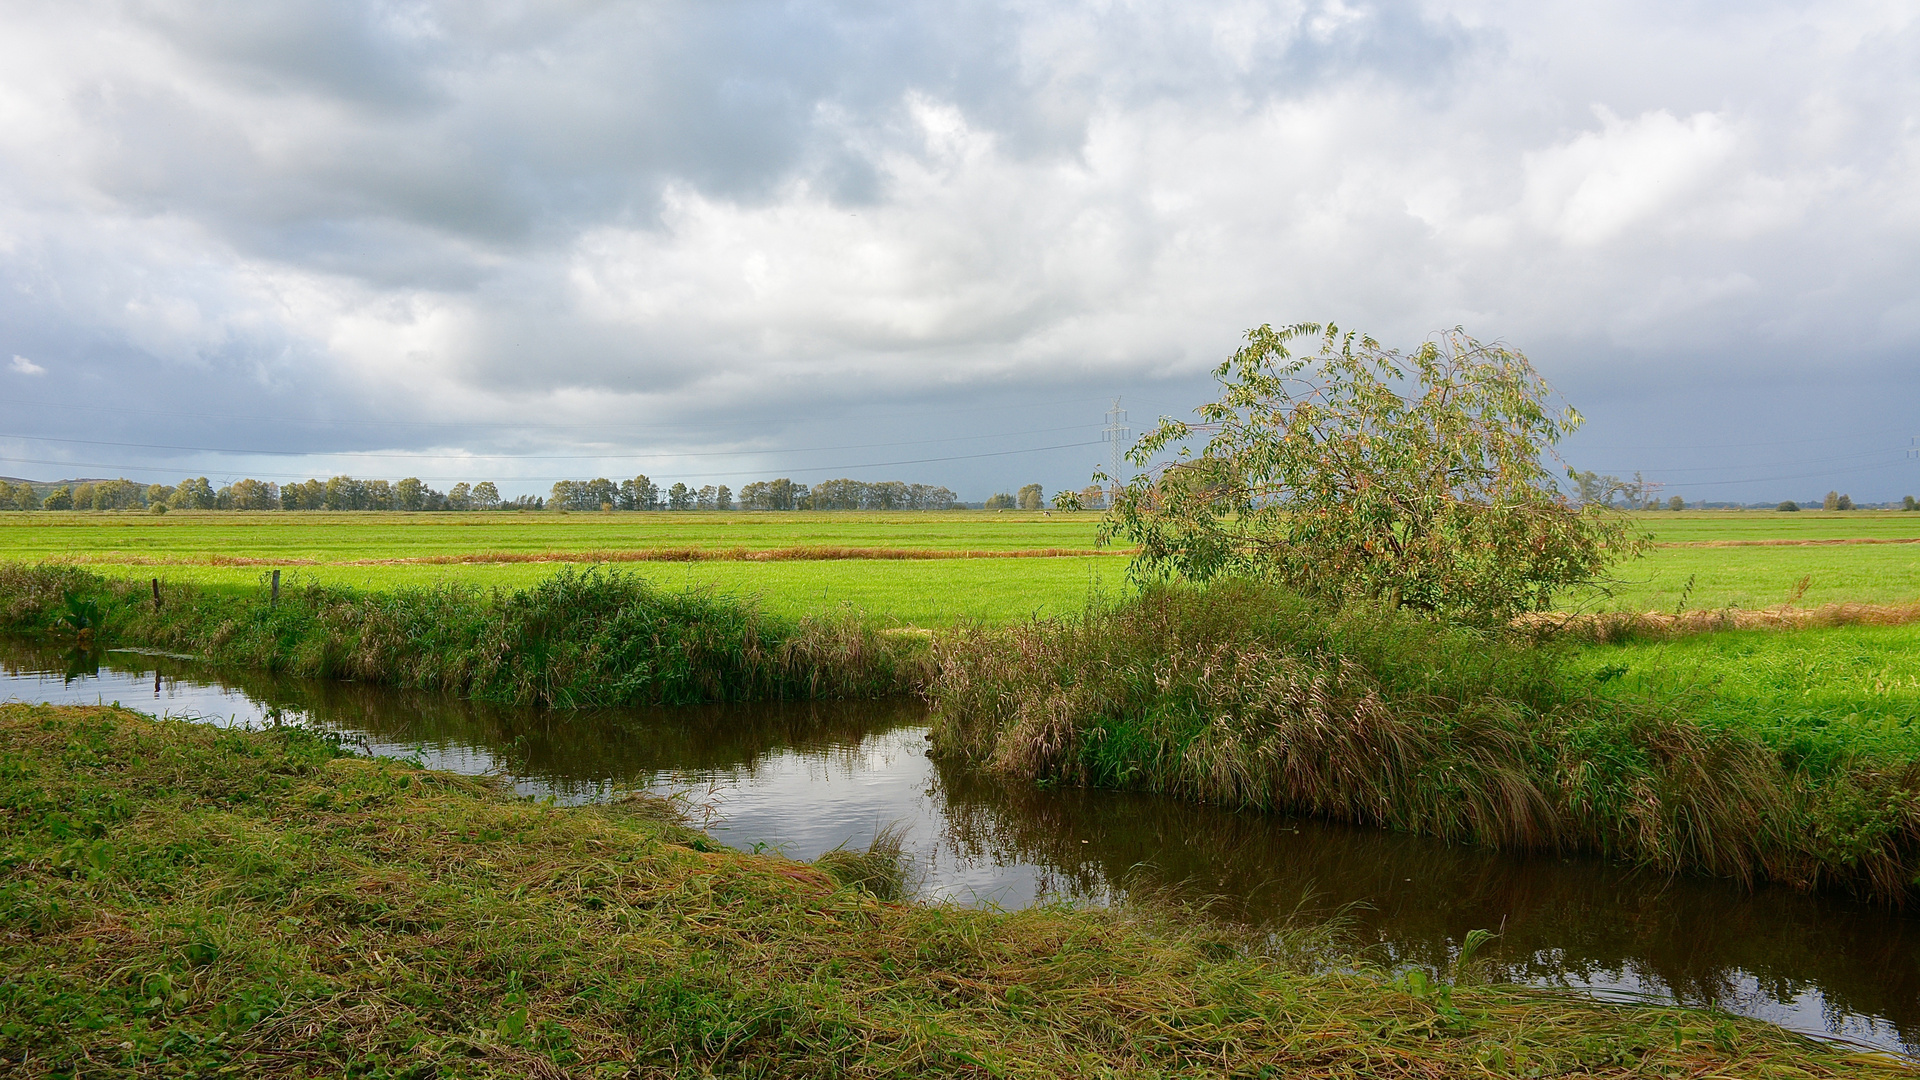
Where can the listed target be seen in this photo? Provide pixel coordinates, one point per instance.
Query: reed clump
(882, 870)
(1247, 695)
(583, 637)
(182, 900)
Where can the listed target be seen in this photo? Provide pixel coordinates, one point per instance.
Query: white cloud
(1629, 174)
(478, 213)
(23, 366)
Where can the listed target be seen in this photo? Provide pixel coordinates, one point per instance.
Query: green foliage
(1033, 497)
(1908, 503)
(1789, 506)
(196, 494)
(80, 617)
(17, 497)
(999, 501)
(1321, 474)
(1676, 503)
(60, 498)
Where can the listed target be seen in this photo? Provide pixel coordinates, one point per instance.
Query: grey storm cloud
(690, 230)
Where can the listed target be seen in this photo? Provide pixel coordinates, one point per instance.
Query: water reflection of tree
(1410, 900)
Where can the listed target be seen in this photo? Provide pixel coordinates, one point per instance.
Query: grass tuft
(881, 871)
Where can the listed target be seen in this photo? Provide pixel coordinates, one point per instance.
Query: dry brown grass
(792, 553)
(1609, 626)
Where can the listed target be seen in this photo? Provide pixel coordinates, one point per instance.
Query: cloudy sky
(721, 241)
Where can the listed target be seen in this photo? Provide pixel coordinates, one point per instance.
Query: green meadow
(938, 568)
(1815, 695)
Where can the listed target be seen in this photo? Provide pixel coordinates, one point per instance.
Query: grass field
(1730, 558)
(1815, 695)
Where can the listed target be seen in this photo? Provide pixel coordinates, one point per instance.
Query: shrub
(1320, 475)
(1908, 504)
(1789, 505)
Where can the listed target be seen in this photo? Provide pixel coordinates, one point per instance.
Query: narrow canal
(802, 779)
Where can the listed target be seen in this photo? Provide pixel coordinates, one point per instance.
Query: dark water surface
(803, 779)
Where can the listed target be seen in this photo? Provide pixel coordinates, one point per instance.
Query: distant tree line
(642, 493)
(198, 493)
(412, 494)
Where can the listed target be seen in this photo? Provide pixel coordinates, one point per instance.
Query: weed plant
(1246, 695)
(578, 638)
(182, 900)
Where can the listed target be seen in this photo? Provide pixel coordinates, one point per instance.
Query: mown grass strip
(177, 899)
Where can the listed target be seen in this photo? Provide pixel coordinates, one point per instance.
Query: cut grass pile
(577, 638)
(1244, 695)
(177, 899)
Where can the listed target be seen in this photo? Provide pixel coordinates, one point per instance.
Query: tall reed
(1247, 695)
(589, 637)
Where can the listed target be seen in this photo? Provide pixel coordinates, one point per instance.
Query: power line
(467, 455)
(1780, 464)
(1769, 479)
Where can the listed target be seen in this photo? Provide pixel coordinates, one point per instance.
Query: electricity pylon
(1118, 438)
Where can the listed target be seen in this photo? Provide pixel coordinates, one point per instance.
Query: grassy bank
(576, 638)
(1244, 695)
(181, 900)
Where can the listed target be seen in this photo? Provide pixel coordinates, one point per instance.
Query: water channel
(802, 779)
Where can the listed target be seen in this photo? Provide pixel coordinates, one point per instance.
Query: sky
(720, 241)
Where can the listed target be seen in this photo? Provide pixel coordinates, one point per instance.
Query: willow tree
(1424, 479)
